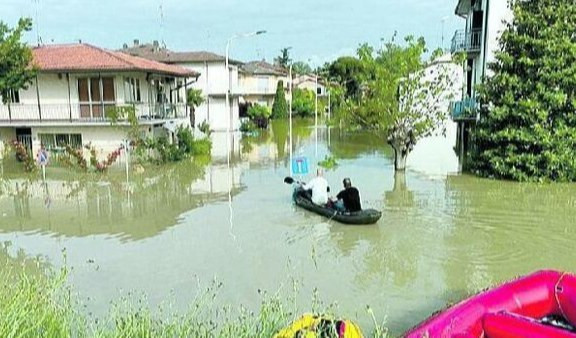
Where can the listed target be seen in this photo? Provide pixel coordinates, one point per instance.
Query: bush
(248, 126)
(259, 115)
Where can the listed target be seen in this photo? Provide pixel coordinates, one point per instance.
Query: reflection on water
(438, 239)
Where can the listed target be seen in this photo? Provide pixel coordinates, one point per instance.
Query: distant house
(78, 84)
(212, 81)
(309, 82)
(258, 81)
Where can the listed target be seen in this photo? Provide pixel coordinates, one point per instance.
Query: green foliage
(248, 126)
(301, 68)
(396, 92)
(283, 60)
(349, 72)
(280, 106)
(36, 302)
(259, 115)
(328, 163)
(303, 104)
(125, 113)
(527, 130)
(184, 147)
(194, 98)
(16, 68)
(205, 128)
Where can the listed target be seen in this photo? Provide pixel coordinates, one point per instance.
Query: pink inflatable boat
(539, 305)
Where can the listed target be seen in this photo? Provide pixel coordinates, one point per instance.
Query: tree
(280, 107)
(400, 95)
(348, 72)
(194, 98)
(303, 102)
(301, 68)
(16, 61)
(527, 129)
(283, 60)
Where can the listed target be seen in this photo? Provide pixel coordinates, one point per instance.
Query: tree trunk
(400, 160)
(192, 117)
(9, 111)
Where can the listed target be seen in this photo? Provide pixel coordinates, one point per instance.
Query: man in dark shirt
(350, 197)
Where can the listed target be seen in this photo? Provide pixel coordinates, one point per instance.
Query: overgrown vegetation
(395, 92)
(183, 147)
(35, 302)
(74, 158)
(527, 129)
(23, 155)
(260, 115)
(194, 98)
(328, 163)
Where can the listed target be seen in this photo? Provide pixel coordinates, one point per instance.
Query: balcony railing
(85, 113)
(466, 109)
(467, 41)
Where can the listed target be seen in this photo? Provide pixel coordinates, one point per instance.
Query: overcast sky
(317, 30)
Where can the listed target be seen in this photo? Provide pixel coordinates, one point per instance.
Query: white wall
(105, 139)
(213, 83)
(498, 11)
(435, 154)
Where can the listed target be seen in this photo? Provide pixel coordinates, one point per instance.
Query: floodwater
(170, 231)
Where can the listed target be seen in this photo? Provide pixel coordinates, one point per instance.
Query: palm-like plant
(194, 98)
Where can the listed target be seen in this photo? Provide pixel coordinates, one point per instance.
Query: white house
(212, 81)
(310, 82)
(257, 83)
(77, 84)
(479, 40)
(485, 21)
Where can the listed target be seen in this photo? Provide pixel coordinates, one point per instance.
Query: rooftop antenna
(161, 11)
(36, 22)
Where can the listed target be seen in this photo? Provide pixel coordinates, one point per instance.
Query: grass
(35, 302)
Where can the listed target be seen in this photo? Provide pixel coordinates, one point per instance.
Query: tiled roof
(162, 54)
(85, 57)
(262, 68)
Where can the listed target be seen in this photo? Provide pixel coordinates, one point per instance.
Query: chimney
(136, 42)
(125, 46)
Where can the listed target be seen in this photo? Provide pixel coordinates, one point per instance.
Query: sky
(317, 30)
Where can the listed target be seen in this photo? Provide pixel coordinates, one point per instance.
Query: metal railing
(82, 113)
(466, 109)
(467, 41)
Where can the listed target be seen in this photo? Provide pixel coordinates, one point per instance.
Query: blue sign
(300, 166)
(42, 157)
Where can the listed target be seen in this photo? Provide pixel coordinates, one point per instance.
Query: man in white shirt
(319, 187)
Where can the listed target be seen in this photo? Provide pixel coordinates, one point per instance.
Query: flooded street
(169, 231)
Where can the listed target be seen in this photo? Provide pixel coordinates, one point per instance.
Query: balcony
(465, 110)
(467, 41)
(86, 113)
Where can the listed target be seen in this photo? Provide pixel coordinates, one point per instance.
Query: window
(132, 90)
(95, 95)
(60, 141)
(13, 95)
(263, 84)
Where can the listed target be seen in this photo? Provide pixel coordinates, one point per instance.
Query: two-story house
(258, 81)
(69, 101)
(212, 81)
(479, 40)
